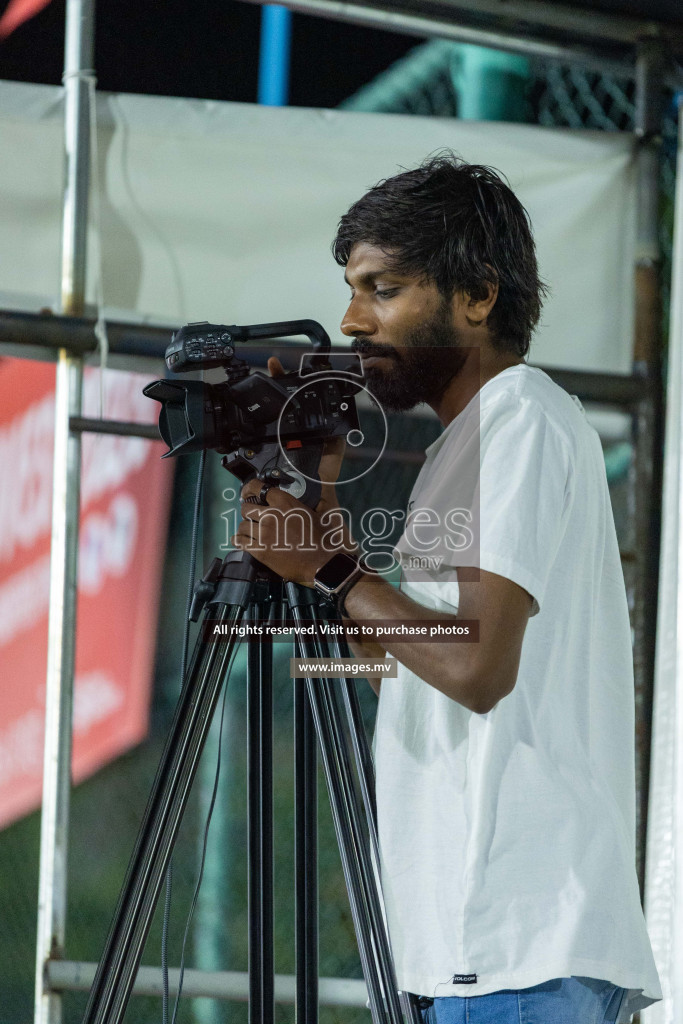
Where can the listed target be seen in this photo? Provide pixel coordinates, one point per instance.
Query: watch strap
(340, 597)
(336, 595)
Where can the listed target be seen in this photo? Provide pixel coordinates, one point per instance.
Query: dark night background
(205, 50)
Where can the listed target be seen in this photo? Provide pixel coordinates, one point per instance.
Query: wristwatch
(335, 578)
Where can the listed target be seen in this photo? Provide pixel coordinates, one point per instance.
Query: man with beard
(505, 767)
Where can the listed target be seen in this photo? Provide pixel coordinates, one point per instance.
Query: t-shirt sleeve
(524, 494)
(495, 497)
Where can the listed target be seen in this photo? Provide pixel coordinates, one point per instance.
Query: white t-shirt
(507, 839)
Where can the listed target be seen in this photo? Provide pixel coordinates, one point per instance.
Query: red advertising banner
(125, 498)
(17, 12)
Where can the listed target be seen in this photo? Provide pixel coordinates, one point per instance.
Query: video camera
(274, 428)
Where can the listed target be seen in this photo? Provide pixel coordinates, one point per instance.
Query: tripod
(240, 586)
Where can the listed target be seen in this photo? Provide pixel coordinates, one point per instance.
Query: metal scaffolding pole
(646, 476)
(664, 892)
(28, 334)
(532, 33)
(78, 55)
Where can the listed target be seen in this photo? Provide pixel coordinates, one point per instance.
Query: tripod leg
(348, 848)
(374, 908)
(363, 896)
(306, 857)
(365, 770)
(119, 962)
(361, 749)
(260, 818)
(345, 839)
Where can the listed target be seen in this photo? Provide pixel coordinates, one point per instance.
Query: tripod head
(272, 428)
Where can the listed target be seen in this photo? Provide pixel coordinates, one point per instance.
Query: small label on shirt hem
(464, 979)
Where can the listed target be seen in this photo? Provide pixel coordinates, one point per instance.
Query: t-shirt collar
(457, 421)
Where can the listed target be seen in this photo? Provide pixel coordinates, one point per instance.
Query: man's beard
(423, 368)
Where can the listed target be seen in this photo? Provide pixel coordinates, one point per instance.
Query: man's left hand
(289, 537)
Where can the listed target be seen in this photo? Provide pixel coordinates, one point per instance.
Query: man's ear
(478, 309)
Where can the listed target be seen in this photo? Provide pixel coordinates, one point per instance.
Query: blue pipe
(491, 85)
(273, 72)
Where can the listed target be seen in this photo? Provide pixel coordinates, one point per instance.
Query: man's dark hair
(458, 225)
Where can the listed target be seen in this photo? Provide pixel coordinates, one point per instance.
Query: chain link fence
(569, 96)
(107, 809)
(425, 82)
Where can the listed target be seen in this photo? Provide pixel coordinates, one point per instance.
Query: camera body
(272, 427)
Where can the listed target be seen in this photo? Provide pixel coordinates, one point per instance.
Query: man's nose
(357, 320)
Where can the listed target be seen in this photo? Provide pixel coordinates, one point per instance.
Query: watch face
(335, 572)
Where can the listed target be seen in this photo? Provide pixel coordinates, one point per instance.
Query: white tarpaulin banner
(225, 212)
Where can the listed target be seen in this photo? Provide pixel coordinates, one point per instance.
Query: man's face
(404, 330)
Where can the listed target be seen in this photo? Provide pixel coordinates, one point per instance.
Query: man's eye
(385, 293)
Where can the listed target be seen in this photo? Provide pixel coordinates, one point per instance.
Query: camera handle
(311, 329)
(231, 588)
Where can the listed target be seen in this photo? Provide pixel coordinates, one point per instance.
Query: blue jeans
(562, 1001)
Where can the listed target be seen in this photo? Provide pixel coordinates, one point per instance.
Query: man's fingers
(246, 536)
(275, 496)
(331, 460)
(334, 446)
(275, 367)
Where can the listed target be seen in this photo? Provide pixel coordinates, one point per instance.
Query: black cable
(193, 562)
(183, 670)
